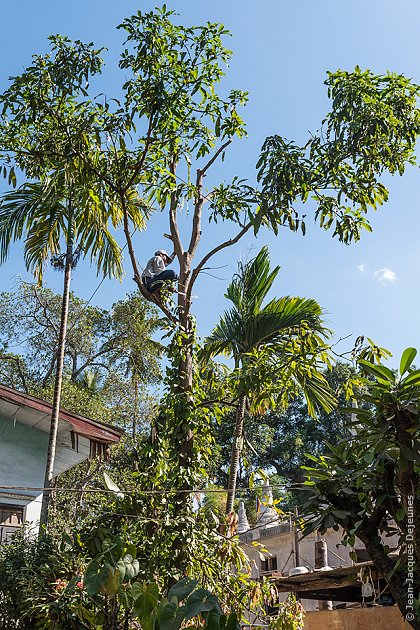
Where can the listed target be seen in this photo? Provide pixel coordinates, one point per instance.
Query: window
(269, 564)
(11, 517)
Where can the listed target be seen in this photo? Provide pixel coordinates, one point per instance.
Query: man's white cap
(161, 252)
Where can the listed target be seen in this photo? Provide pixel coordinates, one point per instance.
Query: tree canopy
(110, 348)
(368, 482)
(136, 155)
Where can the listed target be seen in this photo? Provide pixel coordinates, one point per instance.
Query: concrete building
(24, 433)
(289, 556)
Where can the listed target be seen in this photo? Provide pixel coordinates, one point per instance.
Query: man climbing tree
(174, 120)
(155, 275)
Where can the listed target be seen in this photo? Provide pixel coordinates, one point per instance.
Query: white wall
(23, 452)
(33, 511)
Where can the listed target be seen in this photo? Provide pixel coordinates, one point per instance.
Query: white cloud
(361, 268)
(385, 275)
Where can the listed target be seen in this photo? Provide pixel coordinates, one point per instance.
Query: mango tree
(175, 120)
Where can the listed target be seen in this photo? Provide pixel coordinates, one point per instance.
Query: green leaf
(145, 598)
(128, 567)
(407, 359)
(112, 581)
(170, 616)
(92, 580)
(380, 371)
(400, 514)
(329, 521)
(412, 379)
(369, 457)
(97, 577)
(182, 589)
(408, 453)
(231, 622)
(200, 601)
(212, 619)
(312, 457)
(341, 514)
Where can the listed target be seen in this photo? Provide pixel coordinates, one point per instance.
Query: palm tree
(61, 208)
(265, 339)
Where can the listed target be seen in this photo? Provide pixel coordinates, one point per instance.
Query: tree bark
(235, 453)
(368, 533)
(57, 387)
(396, 578)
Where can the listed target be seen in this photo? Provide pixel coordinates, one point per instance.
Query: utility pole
(297, 557)
(321, 560)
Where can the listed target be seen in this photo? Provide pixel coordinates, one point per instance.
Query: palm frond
(41, 213)
(32, 213)
(317, 392)
(224, 337)
(281, 316)
(16, 211)
(251, 284)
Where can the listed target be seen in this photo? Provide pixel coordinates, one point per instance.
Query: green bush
(41, 583)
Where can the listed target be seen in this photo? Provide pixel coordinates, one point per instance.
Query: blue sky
(282, 51)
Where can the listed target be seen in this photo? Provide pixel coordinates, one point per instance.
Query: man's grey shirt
(154, 266)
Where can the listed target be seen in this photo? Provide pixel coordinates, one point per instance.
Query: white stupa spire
(268, 515)
(243, 525)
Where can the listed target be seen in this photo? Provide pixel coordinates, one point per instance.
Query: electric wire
(139, 491)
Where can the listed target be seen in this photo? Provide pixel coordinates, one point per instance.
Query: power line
(140, 492)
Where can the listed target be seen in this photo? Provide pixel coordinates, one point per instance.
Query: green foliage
(58, 208)
(173, 111)
(175, 72)
(278, 348)
(279, 440)
(125, 157)
(295, 432)
(37, 101)
(52, 584)
(291, 615)
(113, 347)
(368, 484)
(41, 584)
(184, 602)
(372, 128)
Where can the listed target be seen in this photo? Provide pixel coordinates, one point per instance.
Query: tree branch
(45, 313)
(214, 251)
(90, 361)
(196, 228)
(215, 156)
(18, 362)
(50, 369)
(198, 209)
(140, 163)
(173, 222)
(127, 233)
(102, 177)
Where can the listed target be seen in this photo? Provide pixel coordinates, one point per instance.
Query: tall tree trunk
(396, 578)
(58, 383)
(235, 453)
(136, 408)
